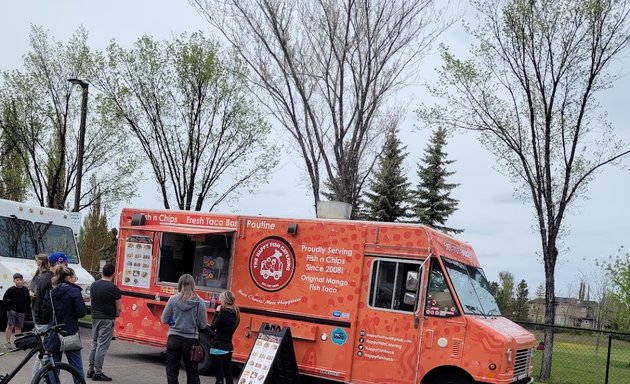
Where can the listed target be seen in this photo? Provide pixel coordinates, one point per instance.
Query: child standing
(17, 300)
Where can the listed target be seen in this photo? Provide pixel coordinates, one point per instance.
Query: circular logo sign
(272, 264)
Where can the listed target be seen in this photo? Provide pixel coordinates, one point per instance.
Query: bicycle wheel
(61, 373)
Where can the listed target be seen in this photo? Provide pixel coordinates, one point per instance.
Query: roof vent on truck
(334, 210)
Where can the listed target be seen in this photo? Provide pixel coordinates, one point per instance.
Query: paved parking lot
(125, 363)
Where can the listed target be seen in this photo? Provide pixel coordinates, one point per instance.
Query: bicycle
(50, 372)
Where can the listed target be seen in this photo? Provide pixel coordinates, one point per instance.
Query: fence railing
(584, 356)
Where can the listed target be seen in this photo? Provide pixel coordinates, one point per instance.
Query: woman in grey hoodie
(186, 314)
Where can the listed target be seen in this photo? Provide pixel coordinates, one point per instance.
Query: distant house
(570, 312)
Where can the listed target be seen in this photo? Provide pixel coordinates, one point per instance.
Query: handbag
(70, 342)
(196, 350)
(196, 353)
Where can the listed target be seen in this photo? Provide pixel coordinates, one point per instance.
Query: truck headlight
(509, 355)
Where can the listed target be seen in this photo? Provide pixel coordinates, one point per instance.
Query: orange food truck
(365, 302)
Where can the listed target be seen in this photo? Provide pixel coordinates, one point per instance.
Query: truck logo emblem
(272, 264)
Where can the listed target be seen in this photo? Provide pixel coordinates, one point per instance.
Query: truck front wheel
(450, 378)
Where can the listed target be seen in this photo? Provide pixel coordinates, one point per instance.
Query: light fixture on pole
(77, 192)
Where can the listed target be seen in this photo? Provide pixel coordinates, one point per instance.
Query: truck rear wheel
(204, 365)
(450, 378)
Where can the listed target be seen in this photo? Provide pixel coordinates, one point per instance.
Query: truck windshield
(55, 238)
(16, 238)
(472, 288)
(23, 239)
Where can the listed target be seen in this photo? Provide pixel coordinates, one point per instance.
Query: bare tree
(530, 91)
(190, 112)
(327, 69)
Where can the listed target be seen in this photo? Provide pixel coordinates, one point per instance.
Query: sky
(498, 226)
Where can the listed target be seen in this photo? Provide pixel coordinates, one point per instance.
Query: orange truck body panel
(316, 281)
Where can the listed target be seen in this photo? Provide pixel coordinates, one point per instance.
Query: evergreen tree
(94, 235)
(432, 204)
(521, 308)
(389, 187)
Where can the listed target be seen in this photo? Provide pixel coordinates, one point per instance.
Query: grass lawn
(576, 361)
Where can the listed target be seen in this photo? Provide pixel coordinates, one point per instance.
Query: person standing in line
(17, 300)
(47, 265)
(106, 305)
(188, 314)
(64, 305)
(43, 265)
(43, 284)
(226, 319)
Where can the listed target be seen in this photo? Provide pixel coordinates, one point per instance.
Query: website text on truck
(25, 231)
(365, 302)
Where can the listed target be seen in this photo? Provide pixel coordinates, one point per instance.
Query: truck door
(444, 327)
(387, 332)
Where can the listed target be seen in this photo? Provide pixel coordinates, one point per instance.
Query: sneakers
(90, 374)
(101, 377)
(8, 345)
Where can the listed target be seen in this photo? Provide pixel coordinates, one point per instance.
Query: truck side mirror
(412, 281)
(409, 298)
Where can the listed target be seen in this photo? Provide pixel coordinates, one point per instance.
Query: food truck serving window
(392, 285)
(205, 256)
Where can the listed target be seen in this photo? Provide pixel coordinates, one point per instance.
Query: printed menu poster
(260, 359)
(138, 260)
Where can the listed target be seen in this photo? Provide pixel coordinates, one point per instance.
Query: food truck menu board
(271, 359)
(260, 359)
(138, 261)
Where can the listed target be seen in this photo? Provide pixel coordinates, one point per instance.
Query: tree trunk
(550, 257)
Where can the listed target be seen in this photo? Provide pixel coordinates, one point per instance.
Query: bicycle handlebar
(55, 328)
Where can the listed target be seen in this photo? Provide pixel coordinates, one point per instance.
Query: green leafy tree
(618, 272)
(521, 302)
(40, 122)
(13, 181)
(94, 234)
(530, 91)
(389, 187)
(432, 202)
(108, 253)
(189, 108)
(505, 293)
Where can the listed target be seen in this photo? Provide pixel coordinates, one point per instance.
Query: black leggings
(222, 365)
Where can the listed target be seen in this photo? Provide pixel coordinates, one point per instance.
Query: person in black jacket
(64, 305)
(226, 319)
(16, 299)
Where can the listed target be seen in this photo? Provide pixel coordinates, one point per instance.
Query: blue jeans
(74, 359)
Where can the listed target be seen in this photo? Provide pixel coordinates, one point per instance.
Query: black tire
(204, 365)
(65, 373)
(3, 317)
(451, 378)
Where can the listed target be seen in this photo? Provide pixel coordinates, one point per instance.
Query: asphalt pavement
(125, 363)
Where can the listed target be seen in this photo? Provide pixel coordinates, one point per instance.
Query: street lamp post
(77, 192)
